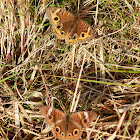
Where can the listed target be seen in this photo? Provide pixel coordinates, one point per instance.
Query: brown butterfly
(69, 126)
(68, 27)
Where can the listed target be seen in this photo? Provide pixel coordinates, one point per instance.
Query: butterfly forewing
(84, 118)
(61, 20)
(51, 115)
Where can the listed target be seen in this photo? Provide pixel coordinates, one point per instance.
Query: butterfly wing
(84, 118)
(52, 115)
(81, 32)
(67, 130)
(61, 21)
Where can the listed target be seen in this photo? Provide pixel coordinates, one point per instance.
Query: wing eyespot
(75, 132)
(82, 34)
(50, 117)
(69, 135)
(84, 121)
(62, 134)
(74, 36)
(57, 129)
(56, 18)
(62, 33)
(59, 27)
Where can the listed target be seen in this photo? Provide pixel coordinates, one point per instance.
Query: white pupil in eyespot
(85, 121)
(83, 34)
(56, 18)
(57, 130)
(76, 132)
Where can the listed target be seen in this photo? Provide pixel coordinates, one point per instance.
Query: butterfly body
(69, 126)
(68, 27)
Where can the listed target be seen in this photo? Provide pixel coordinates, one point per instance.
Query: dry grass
(103, 75)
